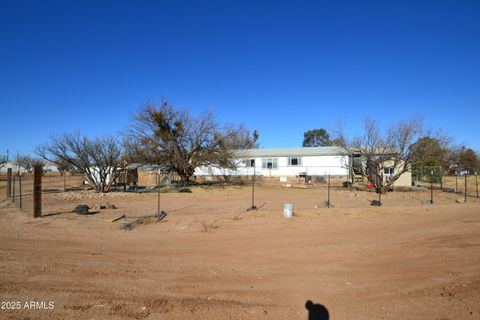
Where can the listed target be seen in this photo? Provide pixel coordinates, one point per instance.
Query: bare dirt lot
(210, 259)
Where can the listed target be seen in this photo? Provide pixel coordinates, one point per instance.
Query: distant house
(50, 167)
(12, 165)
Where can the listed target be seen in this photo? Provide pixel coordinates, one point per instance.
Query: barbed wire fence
(20, 189)
(28, 190)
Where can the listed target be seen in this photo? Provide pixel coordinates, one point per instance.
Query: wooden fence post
(37, 191)
(9, 182)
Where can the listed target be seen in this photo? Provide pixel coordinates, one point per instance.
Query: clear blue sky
(277, 66)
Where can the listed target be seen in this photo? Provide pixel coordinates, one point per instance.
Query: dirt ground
(210, 259)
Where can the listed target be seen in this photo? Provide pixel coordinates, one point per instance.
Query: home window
(270, 163)
(250, 163)
(389, 170)
(294, 161)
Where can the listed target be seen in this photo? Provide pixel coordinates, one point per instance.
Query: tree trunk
(185, 175)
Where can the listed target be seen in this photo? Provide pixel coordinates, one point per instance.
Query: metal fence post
(476, 182)
(466, 187)
(37, 191)
(20, 190)
(328, 191)
(9, 182)
(456, 181)
(253, 206)
(441, 179)
(13, 192)
(158, 192)
(431, 187)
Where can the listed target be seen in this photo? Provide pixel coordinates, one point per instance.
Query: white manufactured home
(285, 162)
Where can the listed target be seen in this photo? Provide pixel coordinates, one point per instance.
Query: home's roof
(150, 167)
(292, 152)
(135, 165)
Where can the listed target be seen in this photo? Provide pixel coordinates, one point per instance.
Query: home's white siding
(310, 165)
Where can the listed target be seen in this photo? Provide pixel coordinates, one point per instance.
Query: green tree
(427, 151)
(316, 138)
(468, 159)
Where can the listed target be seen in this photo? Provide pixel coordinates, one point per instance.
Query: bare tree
(383, 155)
(27, 162)
(98, 159)
(181, 143)
(63, 166)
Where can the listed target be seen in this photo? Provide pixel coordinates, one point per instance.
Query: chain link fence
(435, 177)
(52, 186)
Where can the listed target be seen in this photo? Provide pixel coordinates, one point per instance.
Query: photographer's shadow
(316, 311)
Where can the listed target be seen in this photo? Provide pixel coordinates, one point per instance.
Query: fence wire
(20, 189)
(466, 184)
(55, 186)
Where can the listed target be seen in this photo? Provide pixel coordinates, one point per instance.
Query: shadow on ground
(316, 311)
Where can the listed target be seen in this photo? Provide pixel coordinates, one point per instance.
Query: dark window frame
(298, 160)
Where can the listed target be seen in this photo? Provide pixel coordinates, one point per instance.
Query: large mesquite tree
(180, 142)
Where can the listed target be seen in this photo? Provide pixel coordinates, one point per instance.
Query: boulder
(81, 209)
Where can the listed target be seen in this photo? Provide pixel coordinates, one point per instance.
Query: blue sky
(277, 66)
